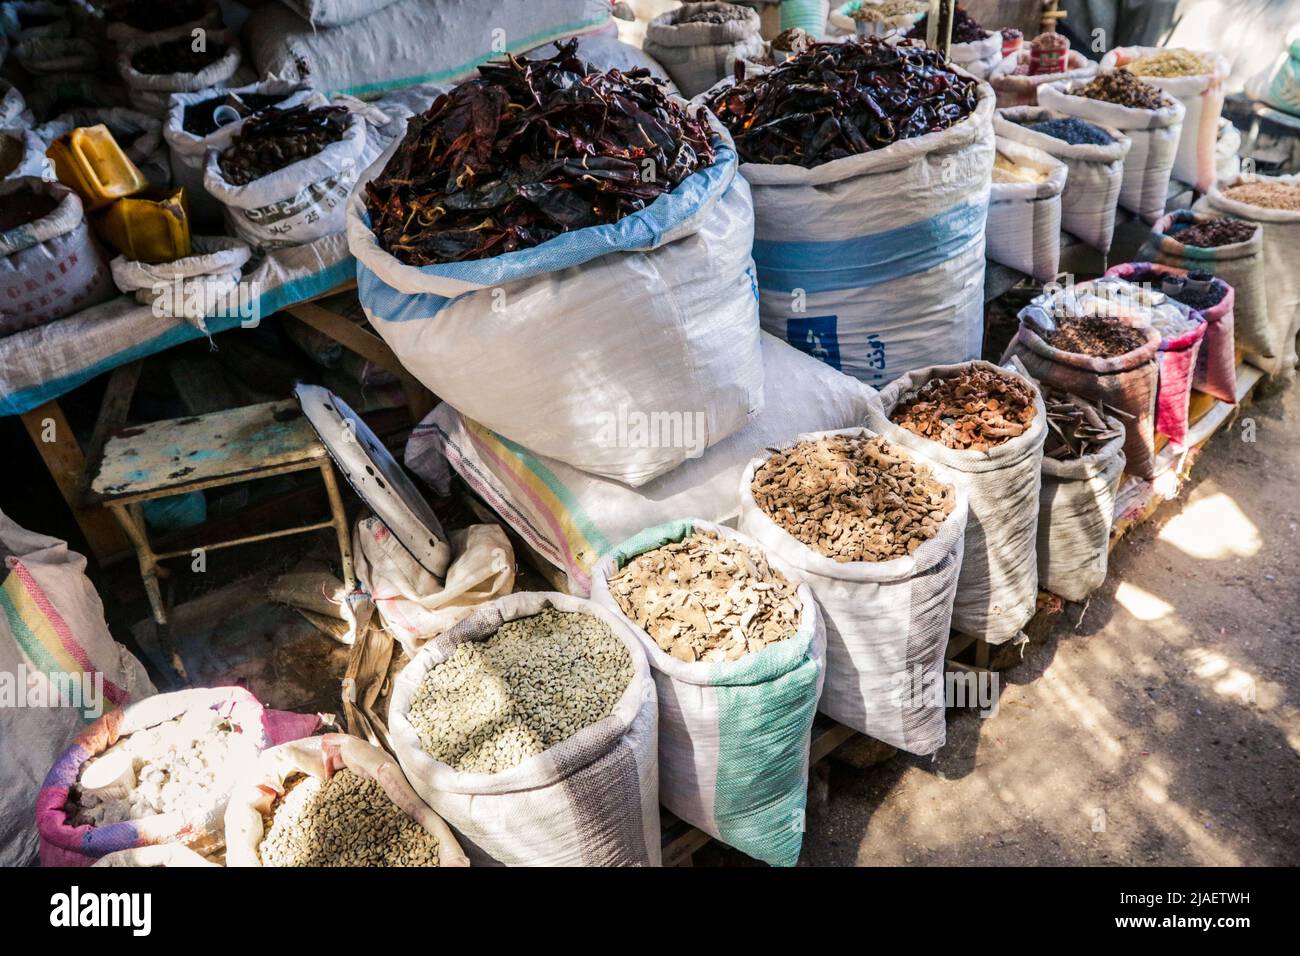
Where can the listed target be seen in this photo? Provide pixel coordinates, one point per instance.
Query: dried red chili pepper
(842, 99)
(528, 150)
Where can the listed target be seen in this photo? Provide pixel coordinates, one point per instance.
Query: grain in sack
(1023, 229)
(1096, 358)
(1185, 339)
(698, 44)
(983, 427)
(1181, 332)
(877, 536)
(1196, 80)
(1274, 203)
(50, 264)
(1232, 251)
(738, 653)
(1095, 170)
(1083, 463)
(1153, 130)
(531, 727)
(333, 800)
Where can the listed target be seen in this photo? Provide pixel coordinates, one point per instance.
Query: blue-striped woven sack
(734, 737)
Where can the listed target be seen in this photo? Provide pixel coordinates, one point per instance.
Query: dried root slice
(707, 598)
(853, 498)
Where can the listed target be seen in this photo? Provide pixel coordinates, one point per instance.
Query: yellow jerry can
(88, 160)
(149, 227)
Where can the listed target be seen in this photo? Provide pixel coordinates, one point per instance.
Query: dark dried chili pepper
(842, 99)
(528, 150)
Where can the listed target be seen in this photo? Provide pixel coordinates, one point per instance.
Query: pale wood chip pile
(853, 498)
(707, 598)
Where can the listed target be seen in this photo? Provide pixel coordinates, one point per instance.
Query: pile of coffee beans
(1220, 231)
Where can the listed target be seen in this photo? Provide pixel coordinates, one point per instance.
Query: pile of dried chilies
(842, 99)
(528, 150)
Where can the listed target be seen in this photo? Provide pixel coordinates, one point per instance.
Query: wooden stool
(162, 459)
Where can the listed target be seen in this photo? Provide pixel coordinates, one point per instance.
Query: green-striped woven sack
(734, 736)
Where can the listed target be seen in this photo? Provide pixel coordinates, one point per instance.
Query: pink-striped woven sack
(64, 844)
(1216, 363)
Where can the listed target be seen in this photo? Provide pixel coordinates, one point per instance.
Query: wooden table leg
(340, 521)
(57, 445)
(131, 518)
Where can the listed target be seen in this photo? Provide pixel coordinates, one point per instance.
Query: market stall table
(40, 365)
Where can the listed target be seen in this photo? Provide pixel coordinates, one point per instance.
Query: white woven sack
(698, 55)
(49, 588)
(333, 13)
(253, 797)
(875, 263)
(189, 152)
(1202, 98)
(1281, 273)
(999, 576)
(734, 737)
(51, 267)
(660, 306)
(207, 278)
(150, 92)
(572, 518)
(1024, 223)
(591, 800)
(298, 203)
(1095, 173)
(32, 160)
(887, 622)
(13, 107)
(1076, 508)
(1154, 135)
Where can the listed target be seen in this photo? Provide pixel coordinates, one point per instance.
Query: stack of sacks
(618, 340)
(572, 518)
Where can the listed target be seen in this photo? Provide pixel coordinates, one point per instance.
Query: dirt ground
(1131, 739)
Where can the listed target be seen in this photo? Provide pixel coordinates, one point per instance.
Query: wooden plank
(113, 410)
(66, 464)
(369, 346)
(185, 454)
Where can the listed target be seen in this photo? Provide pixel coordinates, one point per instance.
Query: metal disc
(377, 477)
